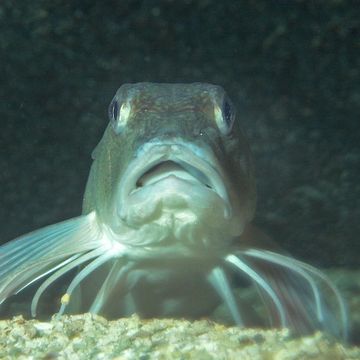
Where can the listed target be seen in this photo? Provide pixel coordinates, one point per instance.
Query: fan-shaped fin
(40, 252)
(296, 294)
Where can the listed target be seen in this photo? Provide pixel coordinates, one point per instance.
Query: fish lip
(197, 175)
(182, 153)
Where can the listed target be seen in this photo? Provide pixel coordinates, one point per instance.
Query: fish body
(165, 228)
(169, 187)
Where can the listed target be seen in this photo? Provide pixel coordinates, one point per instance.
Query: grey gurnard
(165, 229)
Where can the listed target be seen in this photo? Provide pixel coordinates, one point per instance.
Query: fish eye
(113, 110)
(118, 115)
(225, 116)
(228, 113)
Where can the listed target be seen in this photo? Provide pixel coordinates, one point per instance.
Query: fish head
(173, 165)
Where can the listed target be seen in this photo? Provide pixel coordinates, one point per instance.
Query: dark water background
(291, 67)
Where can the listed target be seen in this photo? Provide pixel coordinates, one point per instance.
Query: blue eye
(113, 110)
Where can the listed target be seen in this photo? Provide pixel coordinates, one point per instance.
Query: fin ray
(35, 254)
(219, 281)
(303, 291)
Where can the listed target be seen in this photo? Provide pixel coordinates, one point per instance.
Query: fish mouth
(169, 168)
(178, 166)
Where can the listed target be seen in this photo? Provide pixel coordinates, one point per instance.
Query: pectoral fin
(296, 295)
(34, 255)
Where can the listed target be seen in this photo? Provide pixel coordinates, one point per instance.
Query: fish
(166, 228)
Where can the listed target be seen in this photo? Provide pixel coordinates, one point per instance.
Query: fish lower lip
(170, 182)
(167, 170)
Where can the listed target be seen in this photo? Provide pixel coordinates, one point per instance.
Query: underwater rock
(89, 336)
